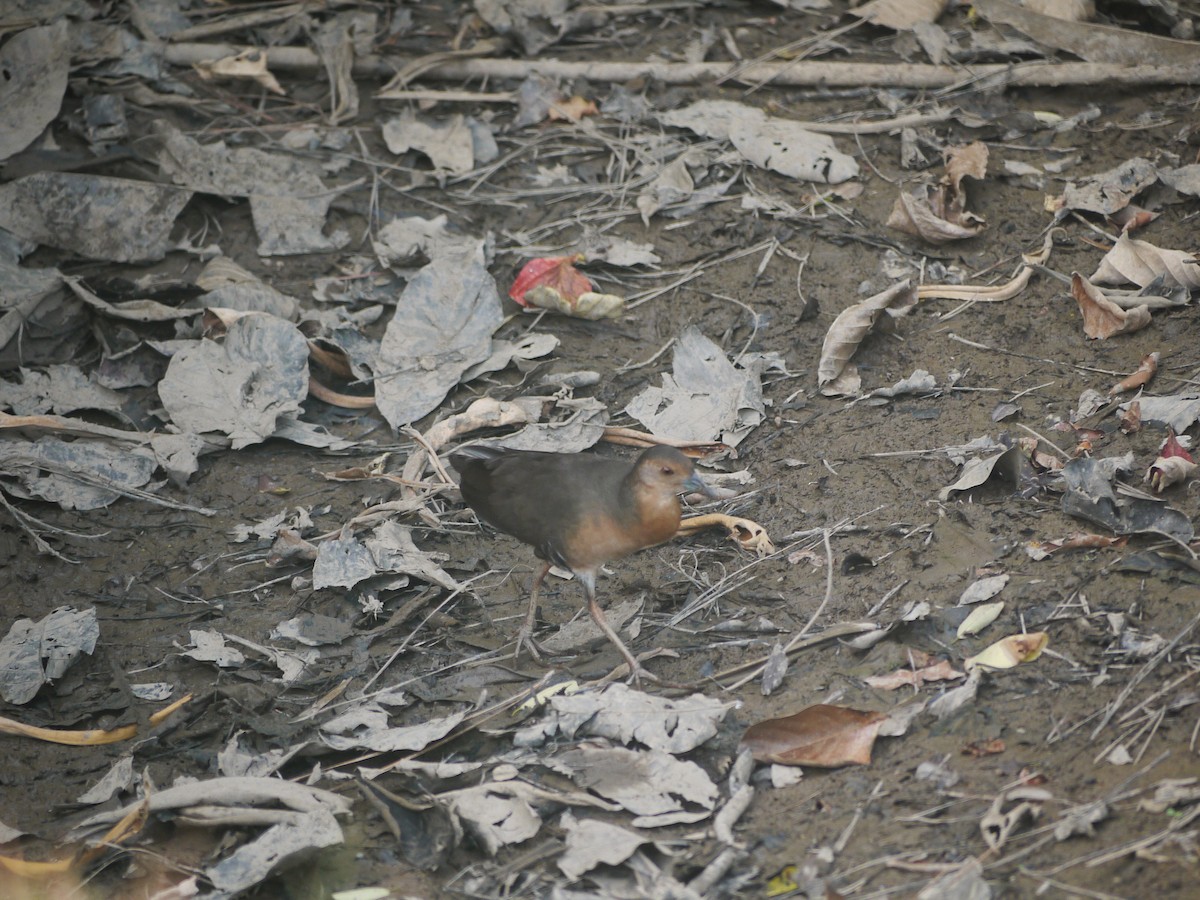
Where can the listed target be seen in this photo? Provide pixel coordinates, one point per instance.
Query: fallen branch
(811, 74)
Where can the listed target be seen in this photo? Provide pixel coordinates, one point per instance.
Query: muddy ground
(154, 573)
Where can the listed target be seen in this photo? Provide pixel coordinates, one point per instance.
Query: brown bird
(578, 511)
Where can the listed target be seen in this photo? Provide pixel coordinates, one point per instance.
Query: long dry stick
(812, 74)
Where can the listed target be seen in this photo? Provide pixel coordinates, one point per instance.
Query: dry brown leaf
(984, 748)
(1140, 378)
(900, 15)
(939, 214)
(966, 159)
(916, 214)
(1131, 419)
(1140, 263)
(821, 735)
(1101, 317)
(939, 671)
(1078, 541)
(855, 322)
(572, 110)
(250, 63)
(1132, 217)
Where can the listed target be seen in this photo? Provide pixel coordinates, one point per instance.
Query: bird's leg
(636, 671)
(525, 635)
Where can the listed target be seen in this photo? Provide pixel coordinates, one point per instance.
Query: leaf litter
(329, 280)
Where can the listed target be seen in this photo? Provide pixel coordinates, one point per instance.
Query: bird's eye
(667, 470)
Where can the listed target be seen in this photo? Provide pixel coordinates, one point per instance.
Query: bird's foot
(526, 641)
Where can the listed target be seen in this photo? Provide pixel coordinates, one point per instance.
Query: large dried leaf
(448, 142)
(1088, 41)
(766, 141)
(77, 474)
(58, 639)
(1108, 192)
(821, 735)
(288, 200)
(242, 387)
(647, 783)
(442, 326)
(1101, 317)
(113, 219)
(1141, 263)
(854, 323)
(35, 63)
(497, 814)
(623, 714)
(590, 842)
(705, 397)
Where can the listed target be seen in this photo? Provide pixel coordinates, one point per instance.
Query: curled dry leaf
(821, 735)
(1131, 419)
(1140, 378)
(572, 110)
(1101, 317)
(251, 63)
(855, 322)
(1140, 262)
(939, 671)
(980, 749)
(1010, 651)
(1042, 549)
(939, 214)
(1174, 464)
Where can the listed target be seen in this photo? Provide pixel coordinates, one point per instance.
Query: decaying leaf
(572, 109)
(1010, 651)
(980, 618)
(250, 63)
(653, 785)
(1141, 263)
(999, 822)
(900, 15)
(1101, 317)
(1140, 378)
(980, 470)
(1174, 464)
(939, 214)
(1131, 418)
(555, 284)
(956, 698)
(1107, 192)
(770, 142)
(854, 323)
(937, 671)
(623, 714)
(983, 589)
(821, 735)
(705, 396)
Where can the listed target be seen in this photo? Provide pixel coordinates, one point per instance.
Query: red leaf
(1172, 447)
(556, 273)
